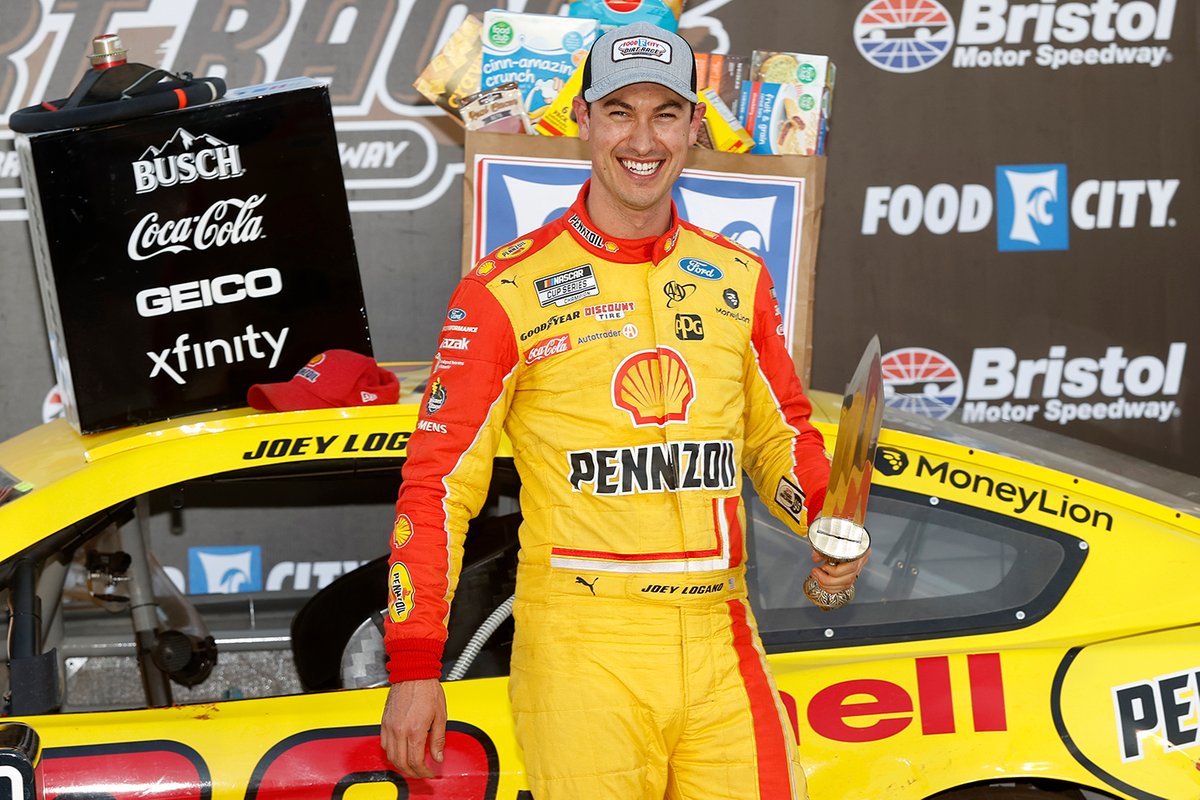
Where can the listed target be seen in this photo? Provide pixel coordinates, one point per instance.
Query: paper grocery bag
(769, 204)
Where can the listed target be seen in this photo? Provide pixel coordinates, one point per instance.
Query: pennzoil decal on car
(515, 249)
(402, 593)
(1158, 710)
(568, 286)
(391, 442)
(654, 386)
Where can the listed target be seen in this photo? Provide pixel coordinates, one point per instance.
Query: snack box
(724, 73)
(453, 73)
(787, 102)
(536, 51)
(721, 129)
(556, 118)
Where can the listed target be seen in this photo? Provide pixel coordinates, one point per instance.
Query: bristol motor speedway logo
(906, 36)
(1033, 204)
(1057, 386)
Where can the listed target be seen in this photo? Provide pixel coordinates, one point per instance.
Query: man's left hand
(837, 577)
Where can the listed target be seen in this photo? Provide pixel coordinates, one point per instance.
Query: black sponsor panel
(186, 256)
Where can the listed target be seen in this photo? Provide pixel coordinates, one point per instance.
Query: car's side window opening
(278, 623)
(935, 567)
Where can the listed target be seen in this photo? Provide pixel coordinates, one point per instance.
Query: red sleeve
(446, 476)
(784, 454)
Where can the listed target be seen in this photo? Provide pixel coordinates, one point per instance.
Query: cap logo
(641, 47)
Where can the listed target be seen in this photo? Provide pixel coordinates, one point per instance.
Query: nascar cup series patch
(568, 286)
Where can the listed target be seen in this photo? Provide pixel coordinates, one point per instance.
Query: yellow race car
(193, 613)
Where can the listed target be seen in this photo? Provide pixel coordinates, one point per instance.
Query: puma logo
(591, 586)
(513, 281)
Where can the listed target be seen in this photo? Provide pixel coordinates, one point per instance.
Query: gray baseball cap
(639, 53)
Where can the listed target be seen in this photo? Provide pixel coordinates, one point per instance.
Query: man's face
(640, 136)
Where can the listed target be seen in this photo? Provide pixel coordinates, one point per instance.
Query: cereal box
(536, 51)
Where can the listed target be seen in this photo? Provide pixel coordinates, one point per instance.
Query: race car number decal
(125, 771)
(323, 763)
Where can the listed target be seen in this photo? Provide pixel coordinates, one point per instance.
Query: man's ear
(697, 121)
(580, 108)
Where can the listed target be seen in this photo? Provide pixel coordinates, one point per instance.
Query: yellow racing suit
(635, 380)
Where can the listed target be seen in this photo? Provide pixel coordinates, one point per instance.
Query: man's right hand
(415, 712)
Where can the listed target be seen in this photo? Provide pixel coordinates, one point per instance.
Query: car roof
(54, 451)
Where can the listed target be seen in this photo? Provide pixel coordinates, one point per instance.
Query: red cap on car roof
(334, 379)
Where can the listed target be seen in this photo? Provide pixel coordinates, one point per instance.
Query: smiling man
(638, 366)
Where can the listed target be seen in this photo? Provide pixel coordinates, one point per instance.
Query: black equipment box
(187, 255)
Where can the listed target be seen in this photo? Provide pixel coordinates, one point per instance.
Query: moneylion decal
(1025, 501)
(664, 467)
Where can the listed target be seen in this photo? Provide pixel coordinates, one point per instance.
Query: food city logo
(185, 158)
(1034, 209)
(907, 36)
(655, 387)
(1001, 387)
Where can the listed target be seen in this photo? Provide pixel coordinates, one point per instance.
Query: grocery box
(787, 103)
(536, 51)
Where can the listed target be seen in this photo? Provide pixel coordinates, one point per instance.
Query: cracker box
(536, 51)
(787, 102)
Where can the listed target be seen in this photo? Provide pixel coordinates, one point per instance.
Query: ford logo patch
(456, 315)
(701, 269)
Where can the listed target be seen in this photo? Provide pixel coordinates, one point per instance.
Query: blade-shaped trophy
(838, 534)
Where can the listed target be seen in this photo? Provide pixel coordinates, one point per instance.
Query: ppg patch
(568, 286)
(789, 497)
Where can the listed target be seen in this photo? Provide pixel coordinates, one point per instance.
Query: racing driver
(637, 364)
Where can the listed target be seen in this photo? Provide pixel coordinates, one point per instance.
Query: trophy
(838, 533)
